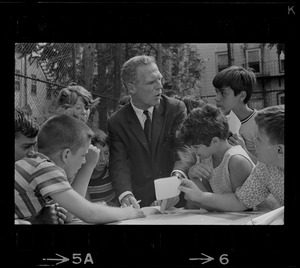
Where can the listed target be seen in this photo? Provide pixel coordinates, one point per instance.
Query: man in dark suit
(142, 134)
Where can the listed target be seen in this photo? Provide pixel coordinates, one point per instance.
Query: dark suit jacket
(133, 165)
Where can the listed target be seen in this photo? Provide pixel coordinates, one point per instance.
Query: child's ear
(243, 95)
(215, 141)
(65, 155)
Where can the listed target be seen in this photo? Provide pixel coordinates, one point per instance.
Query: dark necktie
(147, 126)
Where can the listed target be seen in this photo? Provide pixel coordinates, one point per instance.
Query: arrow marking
(62, 260)
(206, 259)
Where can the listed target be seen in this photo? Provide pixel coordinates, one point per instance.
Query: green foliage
(62, 63)
(187, 70)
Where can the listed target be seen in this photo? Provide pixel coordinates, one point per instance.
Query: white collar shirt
(140, 114)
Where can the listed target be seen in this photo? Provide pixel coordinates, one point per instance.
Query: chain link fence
(43, 69)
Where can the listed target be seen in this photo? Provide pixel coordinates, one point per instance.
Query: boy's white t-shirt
(248, 131)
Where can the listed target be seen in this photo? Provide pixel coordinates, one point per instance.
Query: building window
(33, 84)
(281, 62)
(48, 92)
(222, 61)
(280, 98)
(17, 80)
(253, 59)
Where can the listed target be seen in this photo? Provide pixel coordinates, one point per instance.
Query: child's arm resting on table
(93, 212)
(221, 202)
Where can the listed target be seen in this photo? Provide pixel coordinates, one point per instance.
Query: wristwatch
(178, 174)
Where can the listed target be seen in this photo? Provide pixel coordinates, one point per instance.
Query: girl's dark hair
(203, 124)
(191, 102)
(100, 137)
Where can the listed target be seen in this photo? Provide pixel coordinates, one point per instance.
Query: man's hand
(129, 200)
(200, 171)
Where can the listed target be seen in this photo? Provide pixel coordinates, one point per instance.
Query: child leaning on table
(100, 187)
(234, 86)
(63, 142)
(266, 177)
(26, 131)
(78, 102)
(223, 167)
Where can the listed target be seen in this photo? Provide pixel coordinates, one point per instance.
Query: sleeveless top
(220, 178)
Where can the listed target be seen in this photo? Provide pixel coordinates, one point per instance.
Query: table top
(182, 216)
(194, 217)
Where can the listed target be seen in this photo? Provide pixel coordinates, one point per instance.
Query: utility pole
(25, 81)
(229, 54)
(117, 77)
(159, 56)
(74, 62)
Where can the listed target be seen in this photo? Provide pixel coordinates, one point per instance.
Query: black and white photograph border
(153, 246)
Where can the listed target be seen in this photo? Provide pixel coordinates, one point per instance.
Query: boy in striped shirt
(63, 142)
(26, 131)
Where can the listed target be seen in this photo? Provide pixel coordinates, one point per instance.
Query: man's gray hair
(128, 72)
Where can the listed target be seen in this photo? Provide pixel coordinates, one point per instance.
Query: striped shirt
(36, 179)
(100, 186)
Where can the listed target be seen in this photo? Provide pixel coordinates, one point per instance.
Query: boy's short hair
(68, 96)
(271, 121)
(25, 124)
(203, 124)
(100, 137)
(63, 131)
(128, 71)
(238, 79)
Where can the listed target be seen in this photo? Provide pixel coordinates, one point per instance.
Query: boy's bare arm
(93, 212)
(83, 176)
